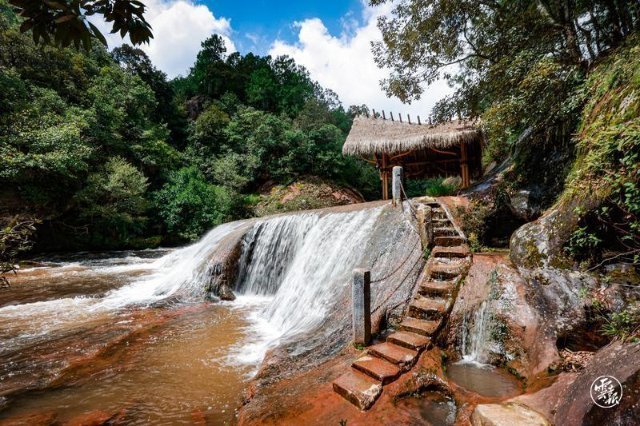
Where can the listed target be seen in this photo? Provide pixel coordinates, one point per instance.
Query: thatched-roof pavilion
(424, 150)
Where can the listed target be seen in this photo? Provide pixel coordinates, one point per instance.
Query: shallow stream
(168, 363)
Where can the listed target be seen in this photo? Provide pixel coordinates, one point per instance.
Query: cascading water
(292, 287)
(267, 252)
(180, 272)
(303, 262)
(475, 335)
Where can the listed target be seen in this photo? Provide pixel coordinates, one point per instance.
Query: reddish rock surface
(309, 399)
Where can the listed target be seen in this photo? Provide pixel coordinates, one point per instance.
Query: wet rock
(509, 414)
(223, 269)
(513, 334)
(225, 293)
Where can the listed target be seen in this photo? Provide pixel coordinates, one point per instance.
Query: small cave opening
(587, 337)
(500, 226)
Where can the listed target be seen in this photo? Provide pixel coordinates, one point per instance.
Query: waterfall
(182, 272)
(303, 261)
(267, 252)
(475, 335)
(297, 265)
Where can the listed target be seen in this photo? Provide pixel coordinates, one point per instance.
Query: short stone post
(396, 185)
(361, 297)
(424, 217)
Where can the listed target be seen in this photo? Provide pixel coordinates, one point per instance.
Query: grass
(435, 187)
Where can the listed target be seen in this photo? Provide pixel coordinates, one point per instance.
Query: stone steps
(444, 231)
(377, 368)
(398, 355)
(449, 241)
(427, 308)
(358, 388)
(445, 271)
(420, 326)
(438, 288)
(409, 340)
(385, 362)
(451, 252)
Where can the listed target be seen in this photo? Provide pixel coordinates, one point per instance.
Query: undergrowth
(606, 174)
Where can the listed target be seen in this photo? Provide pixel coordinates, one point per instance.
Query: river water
(165, 364)
(130, 335)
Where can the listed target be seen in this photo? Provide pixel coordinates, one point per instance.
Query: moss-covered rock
(607, 166)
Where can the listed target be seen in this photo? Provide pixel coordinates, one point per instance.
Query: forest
(103, 151)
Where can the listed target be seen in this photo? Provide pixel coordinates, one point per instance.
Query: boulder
(620, 360)
(508, 414)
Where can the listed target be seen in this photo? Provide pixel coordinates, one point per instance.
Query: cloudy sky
(331, 38)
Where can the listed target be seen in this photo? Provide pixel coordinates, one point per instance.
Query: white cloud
(345, 64)
(179, 26)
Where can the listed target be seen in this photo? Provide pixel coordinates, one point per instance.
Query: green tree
(189, 205)
(113, 202)
(166, 110)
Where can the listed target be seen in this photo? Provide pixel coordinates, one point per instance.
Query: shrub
(622, 324)
(435, 187)
(473, 220)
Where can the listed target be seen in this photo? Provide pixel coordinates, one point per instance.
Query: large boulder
(508, 414)
(620, 360)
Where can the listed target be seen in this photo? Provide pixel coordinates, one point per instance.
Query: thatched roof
(370, 136)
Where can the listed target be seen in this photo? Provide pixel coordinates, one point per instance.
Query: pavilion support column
(385, 176)
(464, 166)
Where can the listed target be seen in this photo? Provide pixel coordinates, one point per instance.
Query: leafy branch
(15, 238)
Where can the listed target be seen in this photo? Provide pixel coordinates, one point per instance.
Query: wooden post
(464, 166)
(396, 182)
(419, 123)
(400, 117)
(409, 118)
(374, 113)
(385, 177)
(384, 117)
(391, 115)
(361, 302)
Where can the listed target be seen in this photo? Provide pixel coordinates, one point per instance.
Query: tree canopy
(110, 153)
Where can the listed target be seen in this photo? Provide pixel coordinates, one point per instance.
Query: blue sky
(257, 23)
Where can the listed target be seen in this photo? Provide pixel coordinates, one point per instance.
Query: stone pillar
(361, 299)
(396, 185)
(425, 225)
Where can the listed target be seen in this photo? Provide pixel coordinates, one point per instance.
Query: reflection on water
(485, 380)
(163, 364)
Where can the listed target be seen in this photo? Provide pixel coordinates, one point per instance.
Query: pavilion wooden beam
(464, 166)
(384, 174)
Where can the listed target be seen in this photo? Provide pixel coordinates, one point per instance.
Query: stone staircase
(424, 318)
